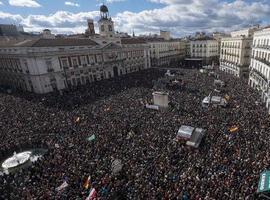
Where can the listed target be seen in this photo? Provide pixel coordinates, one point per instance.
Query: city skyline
(181, 17)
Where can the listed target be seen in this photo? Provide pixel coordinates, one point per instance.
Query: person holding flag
(87, 183)
(92, 194)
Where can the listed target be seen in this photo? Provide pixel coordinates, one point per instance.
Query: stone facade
(235, 53)
(47, 65)
(205, 49)
(259, 77)
(166, 53)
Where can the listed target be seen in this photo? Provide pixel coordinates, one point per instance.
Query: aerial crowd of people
(155, 165)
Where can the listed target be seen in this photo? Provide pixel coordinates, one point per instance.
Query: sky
(181, 17)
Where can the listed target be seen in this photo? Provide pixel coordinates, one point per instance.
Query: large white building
(44, 65)
(166, 53)
(204, 49)
(259, 77)
(235, 52)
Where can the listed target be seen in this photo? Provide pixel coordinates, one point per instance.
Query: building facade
(46, 65)
(235, 53)
(259, 77)
(50, 64)
(166, 53)
(8, 30)
(205, 50)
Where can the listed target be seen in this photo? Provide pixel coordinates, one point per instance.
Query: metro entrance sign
(264, 183)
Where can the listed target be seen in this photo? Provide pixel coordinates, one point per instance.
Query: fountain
(16, 160)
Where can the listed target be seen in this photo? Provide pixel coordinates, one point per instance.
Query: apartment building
(259, 77)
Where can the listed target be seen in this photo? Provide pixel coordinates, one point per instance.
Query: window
(49, 65)
(64, 63)
(102, 27)
(91, 59)
(110, 27)
(74, 62)
(83, 60)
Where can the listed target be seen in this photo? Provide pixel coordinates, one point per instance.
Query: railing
(231, 46)
(258, 74)
(231, 54)
(261, 46)
(227, 61)
(262, 60)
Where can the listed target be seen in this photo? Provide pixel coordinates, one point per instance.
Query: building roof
(104, 8)
(157, 39)
(202, 38)
(148, 39)
(132, 41)
(42, 42)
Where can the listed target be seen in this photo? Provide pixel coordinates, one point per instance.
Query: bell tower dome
(106, 25)
(104, 12)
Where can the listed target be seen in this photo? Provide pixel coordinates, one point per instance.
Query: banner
(264, 182)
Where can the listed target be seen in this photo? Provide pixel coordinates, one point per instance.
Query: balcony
(257, 74)
(231, 46)
(117, 60)
(262, 60)
(231, 54)
(261, 46)
(228, 62)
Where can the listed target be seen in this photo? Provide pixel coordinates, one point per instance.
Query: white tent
(196, 138)
(185, 132)
(215, 100)
(154, 107)
(193, 135)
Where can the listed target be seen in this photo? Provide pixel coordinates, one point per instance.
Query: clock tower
(106, 25)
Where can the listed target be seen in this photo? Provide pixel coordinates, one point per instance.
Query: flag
(107, 109)
(92, 195)
(91, 138)
(61, 187)
(233, 129)
(227, 97)
(87, 183)
(77, 119)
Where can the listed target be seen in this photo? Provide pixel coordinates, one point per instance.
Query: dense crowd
(155, 166)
